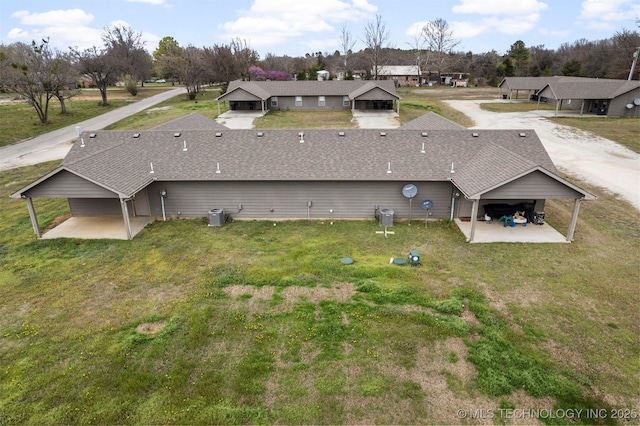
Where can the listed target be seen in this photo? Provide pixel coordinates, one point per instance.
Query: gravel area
(588, 157)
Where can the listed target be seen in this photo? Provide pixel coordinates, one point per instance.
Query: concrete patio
(496, 232)
(110, 227)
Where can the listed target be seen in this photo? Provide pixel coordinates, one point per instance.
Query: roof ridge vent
(383, 133)
(522, 134)
(475, 134)
(136, 135)
(260, 134)
(176, 135)
(218, 134)
(424, 134)
(340, 133)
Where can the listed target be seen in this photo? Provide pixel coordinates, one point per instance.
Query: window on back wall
(274, 101)
(298, 101)
(321, 101)
(345, 101)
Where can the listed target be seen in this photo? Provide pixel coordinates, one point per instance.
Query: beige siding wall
(288, 200)
(533, 186)
(65, 184)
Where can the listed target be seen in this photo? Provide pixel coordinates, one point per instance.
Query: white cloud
(273, 22)
(155, 2)
(554, 33)
(499, 7)
(64, 28)
(605, 14)
(70, 17)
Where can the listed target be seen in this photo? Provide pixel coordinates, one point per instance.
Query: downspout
(574, 219)
(125, 215)
(163, 195)
(453, 201)
(34, 218)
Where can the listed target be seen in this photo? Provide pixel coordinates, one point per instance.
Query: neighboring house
(306, 95)
(302, 174)
(455, 79)
(616, 98)
(529, 85)
(401, 75)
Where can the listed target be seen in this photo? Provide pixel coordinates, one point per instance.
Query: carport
(536, 184)
(96, 209)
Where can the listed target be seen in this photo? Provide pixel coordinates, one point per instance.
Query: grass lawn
(20, 120)
(624, 130)
(254, 323)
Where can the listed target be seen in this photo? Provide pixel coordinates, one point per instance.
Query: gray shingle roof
(352, 88)
(591, 88)
(193, 121)
(119, 161)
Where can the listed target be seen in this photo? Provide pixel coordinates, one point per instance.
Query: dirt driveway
(588, 157)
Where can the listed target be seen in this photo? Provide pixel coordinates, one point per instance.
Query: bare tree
(421, 56)
(244, 56)
(99, 65)
(33, 74)
(440, 41)
(127, 45)
(346, 44)
(376, 39)
(192, 70)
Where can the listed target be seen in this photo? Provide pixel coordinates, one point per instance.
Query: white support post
(125, 215)
(34, 218)
(574, 220)
(474, 214)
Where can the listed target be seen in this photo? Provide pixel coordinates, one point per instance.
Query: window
(321, 101)
(298, 101)
(274, 101)
(345, 101)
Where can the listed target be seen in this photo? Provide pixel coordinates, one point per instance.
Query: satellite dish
(426, 204)
(629, 106)
(636, 101)
(409, 190)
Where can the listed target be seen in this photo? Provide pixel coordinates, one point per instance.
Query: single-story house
(303, 174)
(306, 95)
(401, 75)
(617, 98)
(529, 85)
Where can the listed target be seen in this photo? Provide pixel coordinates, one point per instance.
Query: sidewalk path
(55, 145)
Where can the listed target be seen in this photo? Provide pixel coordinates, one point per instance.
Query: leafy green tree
(572, 68)
(166, 59)
(520, 57)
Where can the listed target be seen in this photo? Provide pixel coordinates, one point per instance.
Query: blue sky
(296, 27)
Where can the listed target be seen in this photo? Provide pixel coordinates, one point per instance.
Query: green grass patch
(20, 120)
(623, 130)
(254, 324)
(305, 120)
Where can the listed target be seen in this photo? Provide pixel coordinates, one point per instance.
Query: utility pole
(633, 65)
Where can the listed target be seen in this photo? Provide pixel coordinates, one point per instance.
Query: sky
(298, 27)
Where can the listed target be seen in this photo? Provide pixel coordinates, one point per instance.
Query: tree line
(39, 73)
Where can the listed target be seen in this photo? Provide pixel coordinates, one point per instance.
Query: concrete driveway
(239, 119)
(366, 119)
(588, 157)
(56, 144)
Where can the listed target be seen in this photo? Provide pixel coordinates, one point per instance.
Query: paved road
(591, 158)
(55, 145)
